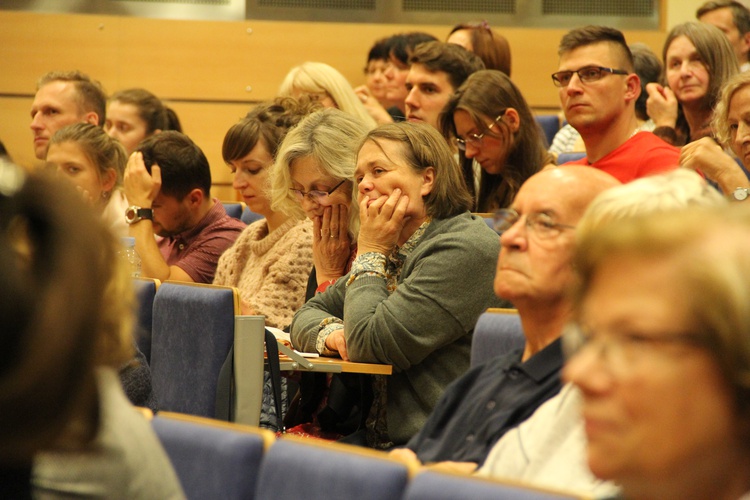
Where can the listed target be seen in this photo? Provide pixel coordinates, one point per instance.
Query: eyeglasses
(315, 195)
(621, 350)
(543, 225)
(476, 139)
(587, 74)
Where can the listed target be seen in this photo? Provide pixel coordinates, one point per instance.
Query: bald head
(534, 265)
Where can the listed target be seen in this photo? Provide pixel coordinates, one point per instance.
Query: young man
(168, 185)
(64, 98)
(598, 89)
(437, 70)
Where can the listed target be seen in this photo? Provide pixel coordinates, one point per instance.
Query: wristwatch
(135, 213)
(740, 194)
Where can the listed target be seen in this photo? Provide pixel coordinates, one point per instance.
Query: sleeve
(283, 289)
(309, 319)
(447, 288)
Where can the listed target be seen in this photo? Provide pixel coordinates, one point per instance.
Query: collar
(544, 363)
(402, 252)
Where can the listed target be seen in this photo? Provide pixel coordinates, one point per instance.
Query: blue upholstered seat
(566, 157)
(294, 469)
(430, 485)
(495, 333)
(145, 291)
(234, 209)
(193, 329)
(211, 461)
(248, 216)
(550, 126)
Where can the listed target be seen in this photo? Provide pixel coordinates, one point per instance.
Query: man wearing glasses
(534, 272)
(598, 89)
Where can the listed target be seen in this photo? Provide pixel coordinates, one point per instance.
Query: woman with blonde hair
(324, 83)
(94, 163)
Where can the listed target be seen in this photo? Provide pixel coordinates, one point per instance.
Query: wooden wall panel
(212, 72)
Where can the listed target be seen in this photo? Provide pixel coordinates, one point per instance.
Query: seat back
(145, 292)
(192, 333)
(498, 331)
(248, 216)
(234, 208)
(550, 125)
(566, 157)
(212, 459)
(430, 485)
(317, 470)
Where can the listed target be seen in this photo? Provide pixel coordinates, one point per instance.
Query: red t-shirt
(642, 155)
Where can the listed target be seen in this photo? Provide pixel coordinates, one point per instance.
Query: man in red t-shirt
(598, 89)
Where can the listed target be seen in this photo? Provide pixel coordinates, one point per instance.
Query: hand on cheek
(382, 222)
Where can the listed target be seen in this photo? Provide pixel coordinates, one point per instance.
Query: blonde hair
(721, 113)
(331, 137)
(320, 78)
(675, 190)
(103, 151)
(709, 248)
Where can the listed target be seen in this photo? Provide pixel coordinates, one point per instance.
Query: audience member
(401, 48)
(437, 70)
(733, 19)
(63, 407)
(406, 301)
(598, 91)
(313, 176)
(47, 366)
(64, 98)
(663, 354)
(94, 163)
(135, 114)
(492, 126)
(732, 129)
(491, 47)
(549, 449)
(270, 261)
(326, 85)
(648, 68)
(375, 81)
(168, 186)
(697, 61)
(534, 272)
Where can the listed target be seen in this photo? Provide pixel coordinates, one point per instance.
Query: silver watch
(740, 194)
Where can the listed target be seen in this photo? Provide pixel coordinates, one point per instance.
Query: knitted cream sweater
(271, 270)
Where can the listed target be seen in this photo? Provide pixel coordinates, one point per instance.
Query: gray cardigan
(424, 328)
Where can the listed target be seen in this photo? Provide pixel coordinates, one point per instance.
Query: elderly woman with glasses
(493, 127)
(421, 278)
(663, 358)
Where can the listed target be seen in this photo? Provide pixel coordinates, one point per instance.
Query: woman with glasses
(663, 357)
(271, 259)
(493, 127)
(422, 276)
(698, 60)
